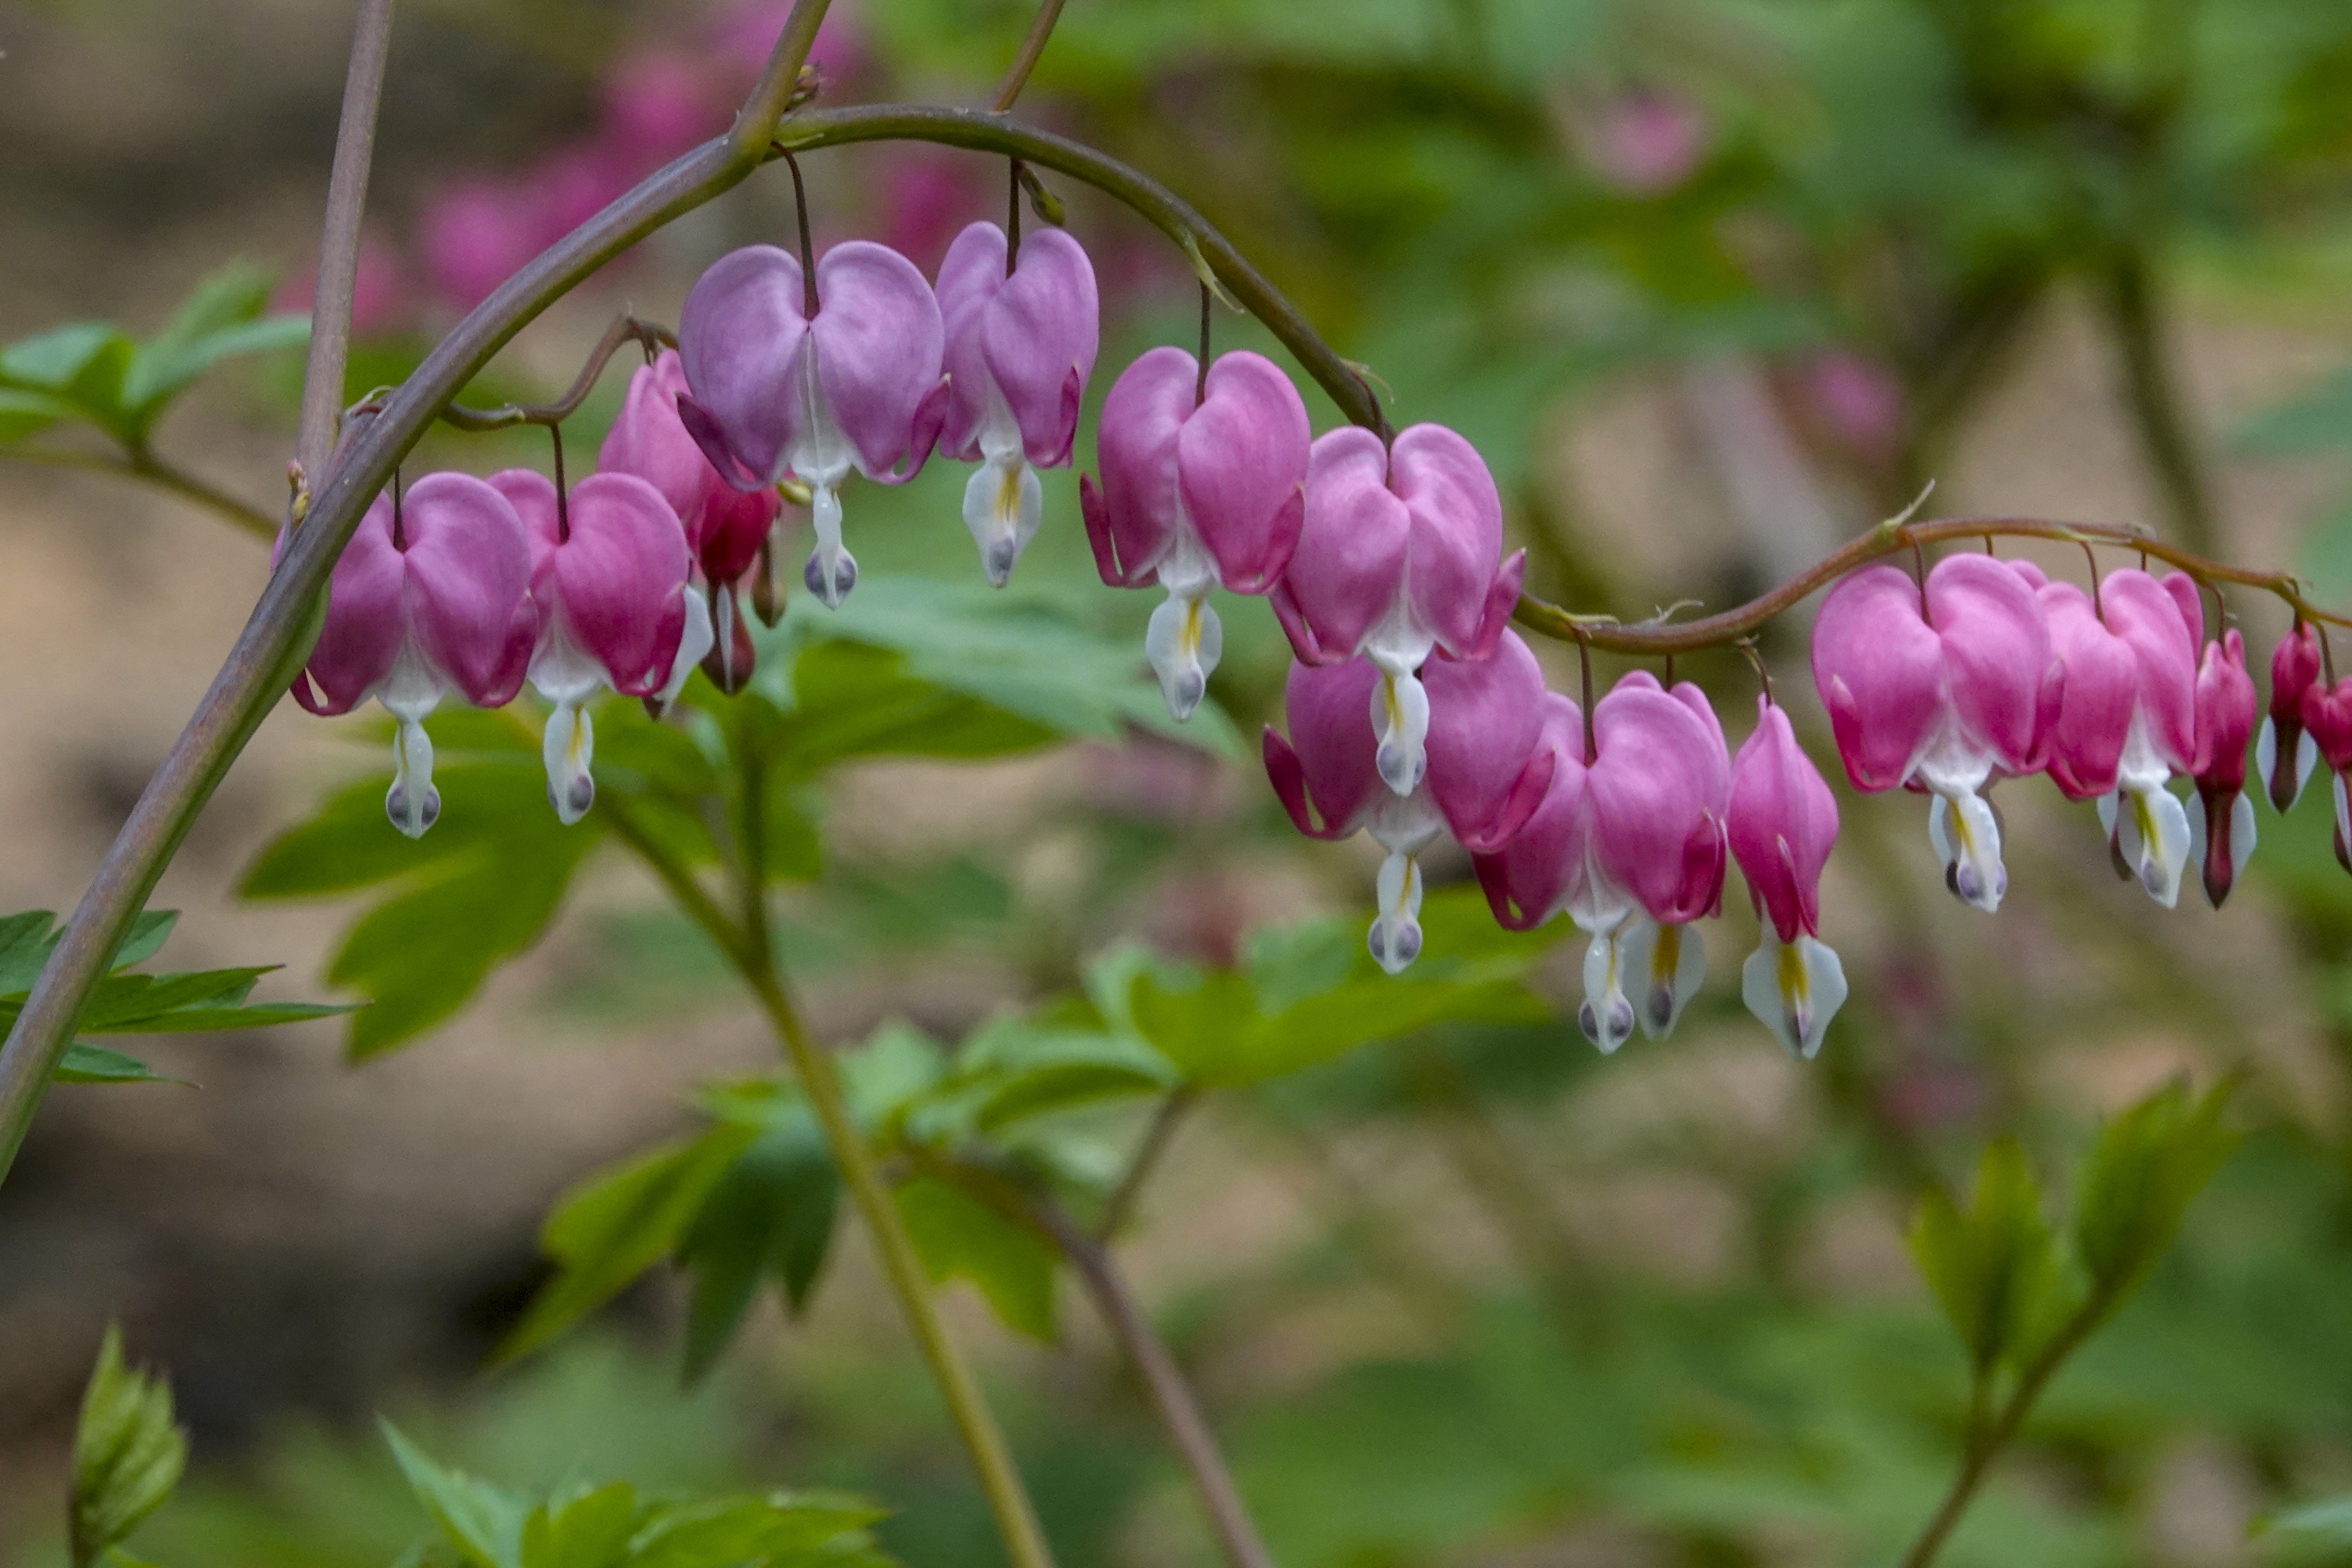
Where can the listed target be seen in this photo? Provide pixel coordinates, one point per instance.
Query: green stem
(278, 634)
(750, 948)
(1041, 30)
(150, 469)
(1120, 1205)
(2153, 401)
(1984, 1443)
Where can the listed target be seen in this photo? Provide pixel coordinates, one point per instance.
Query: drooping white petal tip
(1395, 936)
(2149, 836)
(1400, 716)
(1606, 1016)
(412, 803)
(1184, 643)
(569, 748)
(832, 570)
(1794, 990)
(1668, 965)
(1002, 505)
(1967, 837)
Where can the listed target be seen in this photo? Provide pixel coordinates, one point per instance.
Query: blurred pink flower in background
(1645, 142)
(379, 299)
(927, 196)
(658, 104)
(472, 236)
(746, 33)
(1858, 398)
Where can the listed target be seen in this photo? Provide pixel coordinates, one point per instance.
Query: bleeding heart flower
(1629, 840)
(1942, 699)
(1400, 553)
(2221, 837)
(2328, 717)
(725, 528)
(1202, 486)
(1020, 345)
(2127, 717)
(1486, 772)
(1784, 822)
(431, 595)
(853, 383)
(609, 571)
(2295, 669)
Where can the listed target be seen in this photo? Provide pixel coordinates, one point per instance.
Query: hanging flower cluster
(1415, 714)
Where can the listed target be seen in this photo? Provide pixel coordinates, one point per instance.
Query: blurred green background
(1714, 285)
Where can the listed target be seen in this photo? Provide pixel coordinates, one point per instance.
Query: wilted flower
(1020, 346)
(608, 571)
(431, 595)
(1941, 698)
(1402, 553)
(1784, 821)
(854, 385)
(1629, 840)
(1486, 772)
(1202, 486)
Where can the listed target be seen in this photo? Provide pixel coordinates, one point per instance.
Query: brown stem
(1155, 1139)
(149, 469)
(339, 248)
(1172, 1396)
(647, 335)
(1041, 32)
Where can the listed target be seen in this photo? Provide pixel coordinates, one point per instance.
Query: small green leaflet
(127, 1455)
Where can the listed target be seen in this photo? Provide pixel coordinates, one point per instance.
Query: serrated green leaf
(782, 1530)
(2138, 1181)
(609, 1229)
(84, 1063)
(473, 892)
(163, 369)
(771, 1216)
(127, 1455)
(24, 942)
(590, 1531)
(1994, 1266)
(961, 1238)
(483, 1522)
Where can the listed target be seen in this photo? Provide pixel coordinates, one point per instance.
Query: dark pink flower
(1628, 840)
(2221, 837)
(1646, 142)
(2295, 669)
(1203, 485)
(609, 569)
(1859, 398)
(2327, 718)
(1784, 822)
(1486, 771)
(431, 595)
(1020, 345)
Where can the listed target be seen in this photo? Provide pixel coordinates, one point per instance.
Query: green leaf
(56, 360)
(27, 412)
(1995, 1266)
(2140, 1179)
(148, 934)
(127, 1455)
(86, 1063)
(479, 888)
(221, 318)
(24, 942)
(961, 1238)
(482, 1521)
(771, 1215)
(611, 1229)
(590, 1531)
(2324, 1523)
(783, 1530)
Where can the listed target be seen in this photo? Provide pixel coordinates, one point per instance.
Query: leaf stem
(339, 248)
(1984, 1443)
(1041, 31)
(150, 469)
(1123, 1315)
(1120, 1205)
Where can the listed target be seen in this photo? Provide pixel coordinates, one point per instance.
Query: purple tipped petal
(1880, 669)
(1135, 446)
(738, 341)
(1039, 336)
(1544, 865)
(1457, 530)
(1485, 720)
(1502, 599)
(1241, 459)
(879, 346)
(365, 619)
(1783, 823)
(619, 580)
(1336, 749)
(469, 577)
(1352, 548)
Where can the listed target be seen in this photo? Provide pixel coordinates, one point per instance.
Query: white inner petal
(1395, 936)
(1004, 502)
(2241, 833)
(1606, 1018)
(569, 748)
(1968, 840)
(1668, 964)
(1184, 643)
(1794, 991)
(1401, 718)
(698, 640)
(2151, 836)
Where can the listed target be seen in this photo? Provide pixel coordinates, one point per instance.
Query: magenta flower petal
(1484, 722)
(1661, 785)
(1334, 747)
(1880, 669)
(1457, 532)
(1996, 653)
(1240, 461)
(468, 584)
(619, 581)
(2286, 753)
(2085, 745)
(878, 344)
(1544, 867)
(1039, 338)
(2227, 707)
(366, 620)
(1784, 821)
(1352, 548)
(739, 340)
(1134, 516)
(970, 276)
(651, 441)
